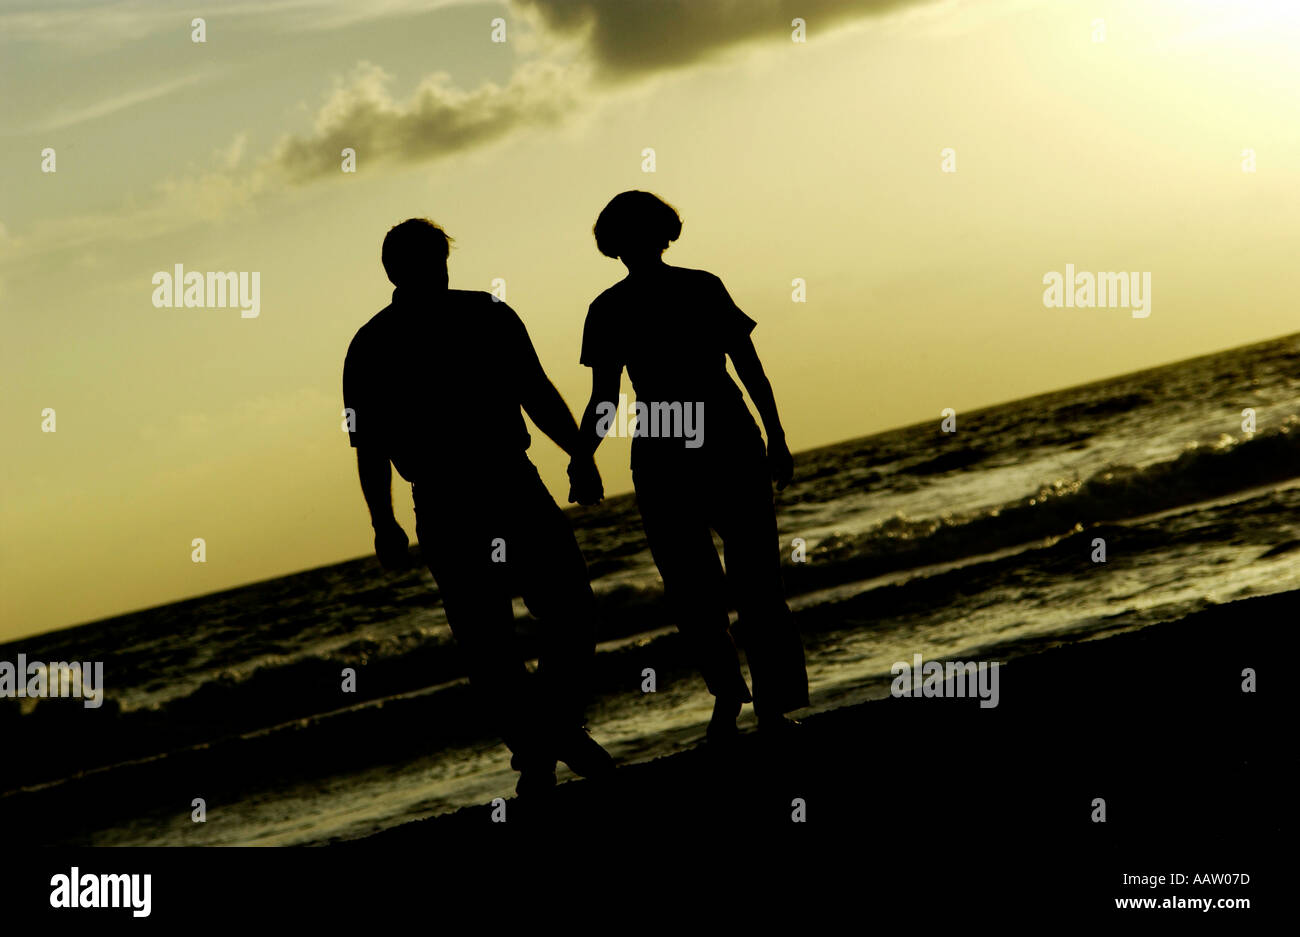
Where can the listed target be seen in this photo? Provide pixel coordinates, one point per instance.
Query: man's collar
(407, 295)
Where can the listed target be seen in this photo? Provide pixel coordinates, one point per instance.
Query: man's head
(415, 254)
(636, 226)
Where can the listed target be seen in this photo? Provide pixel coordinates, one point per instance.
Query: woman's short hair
(411, 247)
(636, 222)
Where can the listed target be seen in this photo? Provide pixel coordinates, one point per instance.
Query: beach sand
(1154, 722)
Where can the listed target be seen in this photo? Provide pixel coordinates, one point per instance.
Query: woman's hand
(585, 486)
(780, 461)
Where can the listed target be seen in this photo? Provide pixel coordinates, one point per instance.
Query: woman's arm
(605, 381)
(750, 371)
(585, 486)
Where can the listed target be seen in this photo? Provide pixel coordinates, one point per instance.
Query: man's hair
(413, 248)
(636, 222)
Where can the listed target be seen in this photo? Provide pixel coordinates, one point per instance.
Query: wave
(228, 706)
(1115, 493)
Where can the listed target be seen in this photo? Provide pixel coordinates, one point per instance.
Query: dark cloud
(629, 37)
(622, 38)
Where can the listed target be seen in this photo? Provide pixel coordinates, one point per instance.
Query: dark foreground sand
(935, 813)
(1153, 721)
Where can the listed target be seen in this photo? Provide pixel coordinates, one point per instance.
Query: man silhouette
(434, 384)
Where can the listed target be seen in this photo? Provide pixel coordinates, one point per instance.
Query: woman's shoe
(583, 754)
(779, 731)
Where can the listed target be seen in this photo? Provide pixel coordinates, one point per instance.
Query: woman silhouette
(698, 459)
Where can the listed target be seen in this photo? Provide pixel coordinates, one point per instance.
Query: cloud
(626, 38)
(228, 157)
(194, 196)
(107, 106)
(616, 39)
(619, 38)
(437, 120)
(101, 23)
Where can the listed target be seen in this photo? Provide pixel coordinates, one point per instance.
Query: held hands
(585, 486)
(391, 546)
(780, 461)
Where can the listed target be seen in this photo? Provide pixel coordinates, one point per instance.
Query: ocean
(977, 544)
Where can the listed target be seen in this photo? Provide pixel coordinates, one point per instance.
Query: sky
(919, 166)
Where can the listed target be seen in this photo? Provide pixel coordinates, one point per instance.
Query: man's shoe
(535, 782)
(583, 754)
(536, 772)
(722, 726)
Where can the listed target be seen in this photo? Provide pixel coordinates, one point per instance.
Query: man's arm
(750, 371)
(376, 474)
(373, 466)
(548, 411)
(537, 395)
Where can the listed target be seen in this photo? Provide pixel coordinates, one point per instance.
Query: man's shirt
(435, 383)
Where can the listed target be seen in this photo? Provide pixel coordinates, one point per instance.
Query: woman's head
(636, 225)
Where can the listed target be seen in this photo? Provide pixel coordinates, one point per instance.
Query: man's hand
(585, 486)
(392, 547)
(780, 462)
